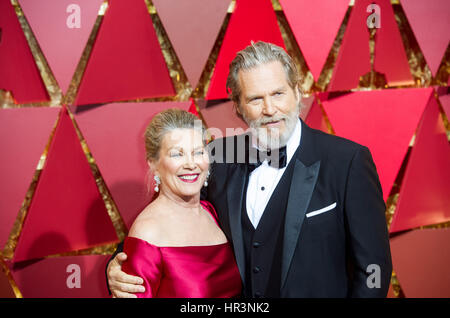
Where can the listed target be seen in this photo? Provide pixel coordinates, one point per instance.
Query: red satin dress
(183, 271)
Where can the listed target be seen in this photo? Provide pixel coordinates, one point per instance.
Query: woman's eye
(199, 153)
(175, 154)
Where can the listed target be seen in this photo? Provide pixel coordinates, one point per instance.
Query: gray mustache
(269, 120)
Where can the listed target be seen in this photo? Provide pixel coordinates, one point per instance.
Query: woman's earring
(157, 183)
(205, 184)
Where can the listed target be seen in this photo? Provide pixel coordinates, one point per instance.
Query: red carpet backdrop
(81, 79)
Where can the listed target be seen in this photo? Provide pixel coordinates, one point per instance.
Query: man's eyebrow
(279, 89)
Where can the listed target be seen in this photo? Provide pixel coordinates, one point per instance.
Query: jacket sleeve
(118, 250)
(366, 229)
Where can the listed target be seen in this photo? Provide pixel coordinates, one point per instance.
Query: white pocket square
(323, 210)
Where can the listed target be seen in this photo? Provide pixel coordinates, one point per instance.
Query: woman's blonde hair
(165, 122)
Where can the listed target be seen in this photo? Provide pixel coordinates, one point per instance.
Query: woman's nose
(189, 161)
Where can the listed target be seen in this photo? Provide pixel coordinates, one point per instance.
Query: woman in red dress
(175, 244)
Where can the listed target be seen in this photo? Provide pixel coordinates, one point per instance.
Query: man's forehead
(272, 66)
(264, 76)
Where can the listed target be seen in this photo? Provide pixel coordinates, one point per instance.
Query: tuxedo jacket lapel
(304, 178)
(302, 185)
(235, 194)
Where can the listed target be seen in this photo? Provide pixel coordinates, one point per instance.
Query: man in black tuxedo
(304, 210)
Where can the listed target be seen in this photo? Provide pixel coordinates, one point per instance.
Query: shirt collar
(294, 141)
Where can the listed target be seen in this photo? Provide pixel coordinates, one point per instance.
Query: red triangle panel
(6, 290)
(421, 259)
(315, 25)
(201, 22)
(56, 277)
(430, 23)
(424, 195)
(353, 60)
(126, 61)
(306, 104)
(222, 120)
(62, 45)
(67, 212)
(445, 102)
(193, 109)
(18, 71)
(315, 118)
(252, 20)
(25, 133)
(382, 120)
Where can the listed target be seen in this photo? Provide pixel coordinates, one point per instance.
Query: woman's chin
(190, 192)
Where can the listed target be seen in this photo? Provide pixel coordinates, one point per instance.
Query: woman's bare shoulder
(147, 225)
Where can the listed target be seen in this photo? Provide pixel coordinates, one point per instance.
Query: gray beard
(271, 138)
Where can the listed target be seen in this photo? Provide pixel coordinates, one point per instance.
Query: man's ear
(237, 109)
(298, 93)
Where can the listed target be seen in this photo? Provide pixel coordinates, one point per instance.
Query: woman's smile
(189, 178)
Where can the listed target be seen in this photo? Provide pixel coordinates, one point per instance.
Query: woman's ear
(153, 166)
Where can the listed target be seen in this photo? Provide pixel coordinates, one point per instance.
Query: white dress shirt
(264, 179)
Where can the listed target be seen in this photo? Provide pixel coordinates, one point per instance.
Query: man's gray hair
(254, 55)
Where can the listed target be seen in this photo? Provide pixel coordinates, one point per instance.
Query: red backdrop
(80, 80)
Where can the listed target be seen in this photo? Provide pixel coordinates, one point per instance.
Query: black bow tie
(257, 157)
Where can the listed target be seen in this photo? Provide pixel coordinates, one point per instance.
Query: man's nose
(268, 107)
